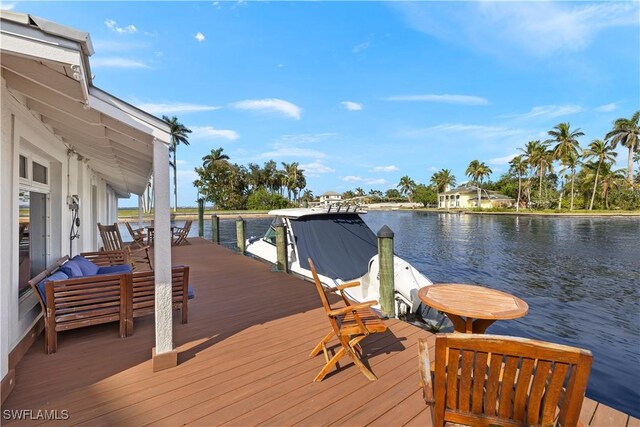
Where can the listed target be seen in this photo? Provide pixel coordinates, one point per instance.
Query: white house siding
(23, 133)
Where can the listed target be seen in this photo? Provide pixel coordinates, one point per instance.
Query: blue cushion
(88, 268)
(72, 269)
(112, 269)
(58, 275)
(191, 294)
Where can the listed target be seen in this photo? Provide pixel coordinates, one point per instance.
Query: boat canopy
(339, 245)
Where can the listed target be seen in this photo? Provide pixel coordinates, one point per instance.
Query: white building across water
(68, 151)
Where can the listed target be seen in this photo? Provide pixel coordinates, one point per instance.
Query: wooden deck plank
(607, 416)
(243, 361)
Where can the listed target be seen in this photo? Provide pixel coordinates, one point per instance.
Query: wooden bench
(70, 303)
(142, 294)
(79, 302)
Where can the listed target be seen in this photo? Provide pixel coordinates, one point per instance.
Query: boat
(343, 249)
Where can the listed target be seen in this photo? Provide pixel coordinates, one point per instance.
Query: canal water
(580, 277)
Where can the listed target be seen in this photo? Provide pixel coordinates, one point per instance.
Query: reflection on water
(579, 276)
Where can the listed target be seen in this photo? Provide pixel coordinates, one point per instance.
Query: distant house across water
(329, 197)
(467, 197)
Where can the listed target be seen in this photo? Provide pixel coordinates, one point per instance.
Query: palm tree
(406, 186)
(179, 135)
(610, 179)
(539, 158)
(604, 152)
(478, 171)
(571, 162)
(214, 157)
(443, 179)
(626, 132)
(518, 166)
(566, 150)
(359, 192)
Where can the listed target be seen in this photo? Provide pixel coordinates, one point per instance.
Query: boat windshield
(339, 245)
(270, 235)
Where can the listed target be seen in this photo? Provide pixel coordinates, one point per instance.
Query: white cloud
(351, 106)
(113, 26)
(445, 98)
(316, 168)
(390, 168)
(501, 160)
(607, 108)
(478, 131)
(548, 111)
(351, 178)
(360, 47)
(368, 181)
(209, 132)
(297, 152)
(199, 36)
(174, 108)
(115, 62)
(536, 28)
(270, 105)
(305, 138)
(7, 6)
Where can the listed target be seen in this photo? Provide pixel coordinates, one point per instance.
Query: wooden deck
(243, 361)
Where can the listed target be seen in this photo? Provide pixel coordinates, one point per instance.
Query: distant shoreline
(225, 216)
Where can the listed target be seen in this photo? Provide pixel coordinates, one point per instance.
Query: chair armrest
(347, 285)
(351, 308)
(424, 365)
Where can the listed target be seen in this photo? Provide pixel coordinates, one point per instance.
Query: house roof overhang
(48, 65)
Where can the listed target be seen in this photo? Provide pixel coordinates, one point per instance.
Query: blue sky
(363, 93)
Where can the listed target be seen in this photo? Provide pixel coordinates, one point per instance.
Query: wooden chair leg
(52, 339)
(321, 344)
(325, 370)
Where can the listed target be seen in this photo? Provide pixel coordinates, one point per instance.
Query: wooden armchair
(137, 254)
(181, 233)
(350, 324)
(137, 234)
(483, 380)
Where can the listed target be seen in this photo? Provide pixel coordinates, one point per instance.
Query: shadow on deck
(243, 361)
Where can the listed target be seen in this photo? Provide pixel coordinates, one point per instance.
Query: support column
(387, 275)
(140, 211)
(164, 356)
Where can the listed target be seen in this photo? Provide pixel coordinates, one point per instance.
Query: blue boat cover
(340, 245)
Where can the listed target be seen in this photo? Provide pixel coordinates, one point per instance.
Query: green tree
(262, 199)
(478, 171)
(626, 132)
(518, 166)
(443, 179)
(392, 194)
(179, 135)
(567, 150)
(540, 160)
(426, 195)
(602, 152)
(406, 186)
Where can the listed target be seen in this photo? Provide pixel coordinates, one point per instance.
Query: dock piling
(281, 247)
(240, 227)
(215, 229)
(200, 217)
(385, 259)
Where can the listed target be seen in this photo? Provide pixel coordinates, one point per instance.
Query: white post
(140, 211)
(164, 356)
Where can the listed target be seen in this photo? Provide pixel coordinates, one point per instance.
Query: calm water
(580, 277)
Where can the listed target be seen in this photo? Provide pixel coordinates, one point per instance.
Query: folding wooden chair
(483, 380)
(350, 325)
(137, 234)
(181, 233)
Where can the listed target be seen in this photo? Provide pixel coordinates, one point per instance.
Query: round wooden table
(472, 308)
